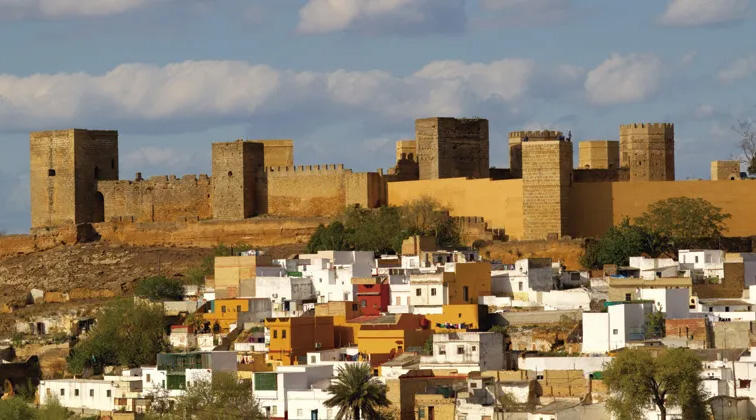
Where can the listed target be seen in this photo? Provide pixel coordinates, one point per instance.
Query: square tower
(598, 154)
(406, 150)
(65, 166)
(725, 170)
(277, 152)
(452, 147)
(546, 181)
(235, 168)
(648, 151)
(516, 138)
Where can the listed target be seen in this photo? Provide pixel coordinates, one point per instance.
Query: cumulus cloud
(739, 69)
(222, 92)
(54, 9)
(703, 12)
(372, 16)
(624, 78)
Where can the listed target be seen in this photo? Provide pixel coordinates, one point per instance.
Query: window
(465, 293)
(727, 309)
(283, 333)
(354, 306)
(696, 258)
(112, 163)
(519, 286)
(62, 392)
(230, 173)
(442, 350)
(421, 412)
(148, 378)
(76, 392)
(363, 303)
(223, 309)
(628, 297)
(375, 372)
(312, 360)
(473, 385)
(418, 292)
(51, 172)
(91, 393)
(274, 411)
(275, 333)
(433, 291)
(711, 309)
(460, 350)
(238, 308)
(474, 348)
(615, 331)
(107, 393)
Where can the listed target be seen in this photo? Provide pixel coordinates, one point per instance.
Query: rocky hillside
(99, 265)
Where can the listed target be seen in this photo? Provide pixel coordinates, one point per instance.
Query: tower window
(230, 173)
(97, 172)
(112, 163)
(51, 172)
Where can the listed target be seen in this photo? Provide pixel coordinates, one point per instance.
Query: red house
(373, 295)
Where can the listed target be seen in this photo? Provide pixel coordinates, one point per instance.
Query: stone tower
(598, 154)
(515, 146)
(235, 168)
(277, 152)
(65, 166)
(452, 147)
(546, 181)
(724, 170)
(648, 151)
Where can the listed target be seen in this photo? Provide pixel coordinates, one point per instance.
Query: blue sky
(346, 78)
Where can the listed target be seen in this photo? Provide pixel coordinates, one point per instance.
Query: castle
(75, 180)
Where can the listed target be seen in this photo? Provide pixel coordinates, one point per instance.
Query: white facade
(673, 302)
(651, 268)
(290, 379)
(524, 276)
(182, 338)
(466, 352)
(588, 364)
(612, 330)
(332, 272)
(702, 264)
(94, 395)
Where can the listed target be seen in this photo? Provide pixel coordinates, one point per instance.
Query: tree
(655, 323)
(357, 393)
(159, 288)
(125, 333)
(748, 144)
(426, 216)
(637, 381)
(620, 243)
(683, 219)
(16, 409)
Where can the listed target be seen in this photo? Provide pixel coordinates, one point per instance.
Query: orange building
(344, 332)
(292, 338)
(383, 337)
(225, 312)
(457, 318)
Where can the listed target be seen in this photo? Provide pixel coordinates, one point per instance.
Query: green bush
(160, 288)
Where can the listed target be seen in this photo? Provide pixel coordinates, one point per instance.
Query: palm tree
(355, 391)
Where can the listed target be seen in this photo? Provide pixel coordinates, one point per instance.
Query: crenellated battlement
(328, 169)
(537, 134)
(646, 128)
(161, 179)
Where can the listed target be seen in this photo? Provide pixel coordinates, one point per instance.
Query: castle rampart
(648, 150)
(277, 152)
(452, 147)
(516, 138)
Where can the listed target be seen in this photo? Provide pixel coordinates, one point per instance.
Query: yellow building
(456, 318)
(441, 406)
(225, 312)
(470, 280)
(292, 338)
(383, 337)
(249, 362)
(232, 274)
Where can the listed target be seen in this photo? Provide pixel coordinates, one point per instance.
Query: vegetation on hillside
(18, 409)
(160, 288)
(384, 229)
(126, 334)
(637, 380)
(666, 226)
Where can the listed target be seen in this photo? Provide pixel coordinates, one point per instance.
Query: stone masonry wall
(516, 139)
(96, 154)
(301, 191)
(598, 154)
(277, 152)
(235, 168)
(159, 199)
(452, 147)
(649, 151)
(546, 180)
(725, 170)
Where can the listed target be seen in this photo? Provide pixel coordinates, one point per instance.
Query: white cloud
(525, 12)
(623, 79)
(219, 92)
(739, 69)
(703, 12)
(412, 16)
(54, 9)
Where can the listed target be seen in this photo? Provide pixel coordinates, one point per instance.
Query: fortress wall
(262, 232)
(365, 189)
(595, 207)
(159, 199)
(277, 152)
(498, 202)
(302, 191)
(11, 245)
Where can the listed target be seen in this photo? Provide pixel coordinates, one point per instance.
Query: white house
(466, 352)
(526, 275)
(91, 396)
(332, 272)
(271, 388)
(175, 371)
(673, 302)
(702, 263)
(288, 295)
(612, 330)
(182, 337)
(588, 364)
(651, 268)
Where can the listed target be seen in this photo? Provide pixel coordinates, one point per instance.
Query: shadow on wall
(591, 209)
